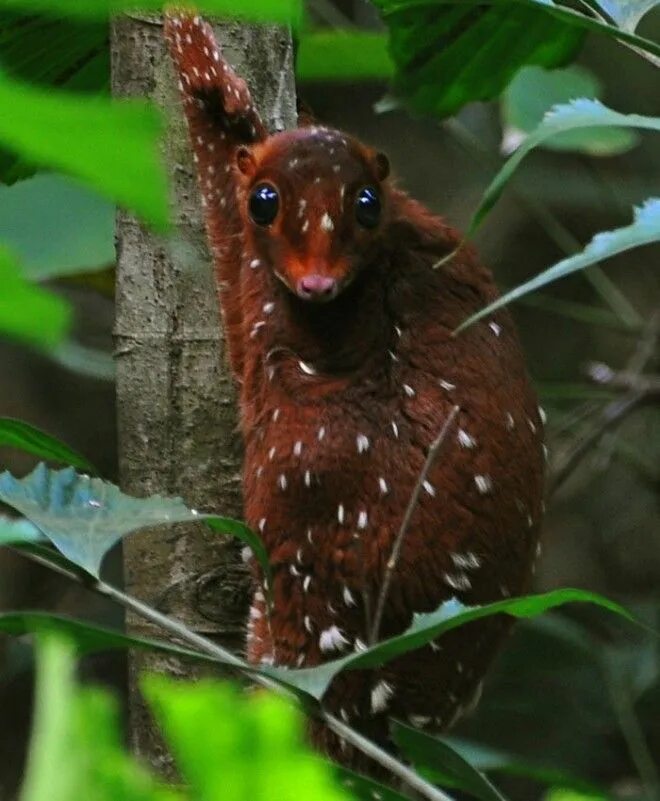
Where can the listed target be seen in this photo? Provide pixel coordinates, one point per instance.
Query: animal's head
(314, 203)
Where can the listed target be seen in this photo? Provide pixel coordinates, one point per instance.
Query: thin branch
(405, 523)
(206, 646)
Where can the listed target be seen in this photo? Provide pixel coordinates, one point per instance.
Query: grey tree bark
(176, 402)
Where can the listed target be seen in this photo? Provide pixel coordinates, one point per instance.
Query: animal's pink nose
(317, 287)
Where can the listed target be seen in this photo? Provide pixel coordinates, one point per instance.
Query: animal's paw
(204, 75)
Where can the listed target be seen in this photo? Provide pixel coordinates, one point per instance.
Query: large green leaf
(435, 755)
(76, 749)
(56, 226)
(533, 92)
(249, 749)
(341, 55)
(438, 761)
(448, 54)
(57, 52)
(18, 434)
(429, 626)
(84, 517)
(282, 11)
(29, 313)
(116, 142)
(573, 116)
(644, 230)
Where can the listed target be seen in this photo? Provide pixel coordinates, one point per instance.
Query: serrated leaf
(436, 760)
(578, 114)
(644, 230)
(17, 531)
(84, 517)
(343, 55)
(56, 226)
(252, 748)
(21, 435)
(429, 626)
(533, 92)
(627, 13)
(28, 313)
(280, 11)
(116, 142)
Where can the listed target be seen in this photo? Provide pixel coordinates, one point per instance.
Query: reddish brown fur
(340, 402)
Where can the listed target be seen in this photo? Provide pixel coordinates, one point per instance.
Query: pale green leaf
(573, 116)
(84, 517)
(533, 92)
(18, 531)
(627, 13)
(113, 145)
(644, 230)
(56, 226)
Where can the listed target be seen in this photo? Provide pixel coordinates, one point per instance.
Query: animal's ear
(245, 161)
(381, 166)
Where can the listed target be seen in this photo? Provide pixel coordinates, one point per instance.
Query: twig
(412, 505)
(633, 734)
(639, 389)
(206, 646)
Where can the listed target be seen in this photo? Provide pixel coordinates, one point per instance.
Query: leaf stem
(204, 645)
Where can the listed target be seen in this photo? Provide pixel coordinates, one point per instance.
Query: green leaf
(51, 771)
(437, 761)
(366, 789)
(342, 55)
(88, 638)
(281, 11)
(565, 794)
(56, 226)
(627, 13)
(428, 752)
(449, 54)
(17, 434)
(644, 230)
(76, 749)
(534, 91)
(90, 362)
(84, 517)
(251, 747)
(429, 626)
(116, 142)
(58, 52)
(28, 313)
(573, 116)
(16, 531)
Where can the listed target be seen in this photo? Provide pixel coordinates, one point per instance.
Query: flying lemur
(339, 325)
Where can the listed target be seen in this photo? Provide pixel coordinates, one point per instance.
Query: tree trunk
(176, 402)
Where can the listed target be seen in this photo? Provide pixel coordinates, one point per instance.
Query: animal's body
(339, 325)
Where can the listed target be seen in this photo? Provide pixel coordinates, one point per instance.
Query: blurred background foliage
(448, 90)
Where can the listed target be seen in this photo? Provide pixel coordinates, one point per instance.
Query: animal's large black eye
(367, 207)
(264, 204)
